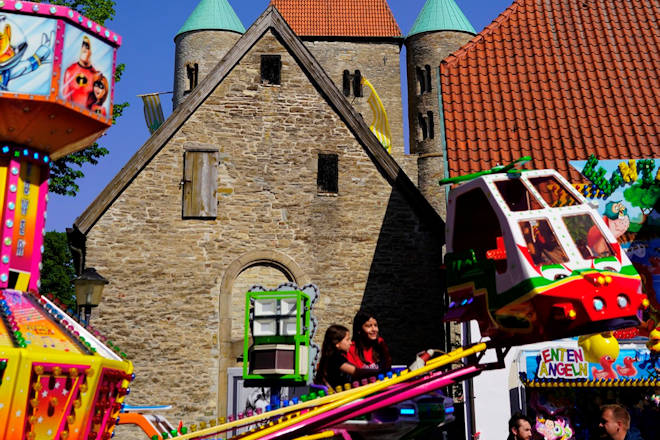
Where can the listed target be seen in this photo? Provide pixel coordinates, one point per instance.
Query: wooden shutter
(200, 181)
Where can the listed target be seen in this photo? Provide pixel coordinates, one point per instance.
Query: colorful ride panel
(57, 379)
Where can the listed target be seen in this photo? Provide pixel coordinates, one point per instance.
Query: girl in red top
(368, 350)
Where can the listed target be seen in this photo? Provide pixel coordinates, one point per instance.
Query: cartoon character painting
(13, 48)
(554, 429)
(79, 76)
(86, 82)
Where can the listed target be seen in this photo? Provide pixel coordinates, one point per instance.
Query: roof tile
(558, 82)
(339, 18)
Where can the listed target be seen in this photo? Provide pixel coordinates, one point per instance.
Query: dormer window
(271, 67)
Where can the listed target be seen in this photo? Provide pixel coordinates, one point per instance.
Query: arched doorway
(264, 267)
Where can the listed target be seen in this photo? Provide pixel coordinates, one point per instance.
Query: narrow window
(357, 84)
(422, 125)
(346, 83)
(429, 116)
(200, 184)
(192, 71)
(271, 66)
(420, 81)
(427, 69)
(328, 174)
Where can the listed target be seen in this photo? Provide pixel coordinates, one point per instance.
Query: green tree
(58, 271)
(643, 196)
(65, 171)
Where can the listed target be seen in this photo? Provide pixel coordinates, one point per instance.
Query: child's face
(345, 344)
(370, 329)
(99, 90)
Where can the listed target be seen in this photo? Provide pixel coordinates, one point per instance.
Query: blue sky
(148, 28)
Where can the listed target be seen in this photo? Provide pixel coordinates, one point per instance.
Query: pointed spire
(213, 14)
(441, 15)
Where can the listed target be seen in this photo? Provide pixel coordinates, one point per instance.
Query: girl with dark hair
(334, 370)
(368, 349)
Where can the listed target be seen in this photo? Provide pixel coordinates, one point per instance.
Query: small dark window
(328, 174)
(192, 71)
(346, 83)
(357, 84)
(271, 66)
(422, 126)
(420, 81)
(429, 123)
(427, 70)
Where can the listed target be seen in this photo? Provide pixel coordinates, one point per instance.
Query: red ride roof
(339, 18)
(557, 80)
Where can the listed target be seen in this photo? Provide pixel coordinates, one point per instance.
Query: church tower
(354, 39)
(439, 30)
(207, 35)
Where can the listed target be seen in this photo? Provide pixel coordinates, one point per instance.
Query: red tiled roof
(339, 18)
(557, 80)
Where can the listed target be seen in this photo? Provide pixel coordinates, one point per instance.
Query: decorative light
(5, 149)
(89, 289)
(18, 6)
(25, 152)
(35, 8)
(11, 206)
(9, 223)
(52, 9)
(5, 259)
(599, 304)
(12, 188)
(622, 301)
(14, 170)
(8, 241)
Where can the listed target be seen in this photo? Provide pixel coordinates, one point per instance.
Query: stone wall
(204, 48)
(172, 299)
(379, 62)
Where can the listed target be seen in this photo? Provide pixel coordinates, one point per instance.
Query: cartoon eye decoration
(608, 265)
(555, 272)
(557, 430)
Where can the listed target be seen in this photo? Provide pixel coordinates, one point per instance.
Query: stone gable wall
(380, 64)
(169, 302)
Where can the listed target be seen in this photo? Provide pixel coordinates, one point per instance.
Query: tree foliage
(58, 272)
(643, 196)
(66, 171)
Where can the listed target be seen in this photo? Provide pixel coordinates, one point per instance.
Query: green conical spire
(213, 14)
(441, 15)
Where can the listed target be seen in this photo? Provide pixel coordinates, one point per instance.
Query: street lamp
(89, 288)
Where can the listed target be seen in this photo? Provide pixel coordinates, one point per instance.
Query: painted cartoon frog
(12, 64)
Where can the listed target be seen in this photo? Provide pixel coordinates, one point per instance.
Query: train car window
(542, 242)
(517, 196)
(553, 192)
(475, 225)
(587, 236)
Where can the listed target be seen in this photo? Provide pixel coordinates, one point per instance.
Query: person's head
(365, 328)
(100, 89)
(85, 58)
(336, 339)
(520, 427)
(614, 421)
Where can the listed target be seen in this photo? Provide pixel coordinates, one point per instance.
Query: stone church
(267, 172)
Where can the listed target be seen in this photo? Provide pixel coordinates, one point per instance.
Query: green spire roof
(213, 14)
(441, 15)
